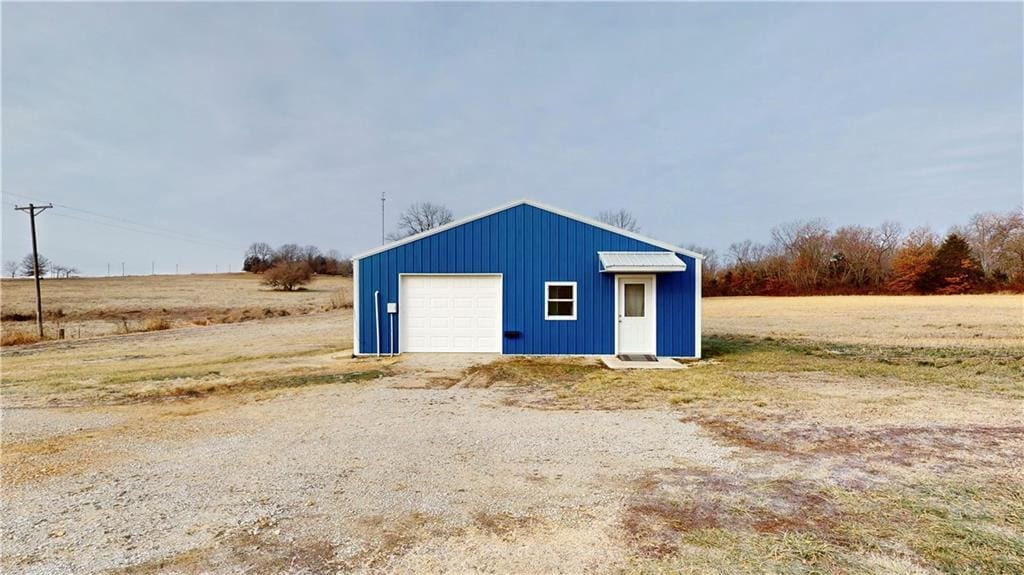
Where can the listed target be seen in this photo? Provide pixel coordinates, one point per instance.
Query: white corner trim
(355, 307)
(575, 302)
(538, 205)
(696, 309)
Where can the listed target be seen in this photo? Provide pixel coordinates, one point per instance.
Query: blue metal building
(526, 278)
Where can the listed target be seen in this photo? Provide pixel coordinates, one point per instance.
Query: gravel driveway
(380, 476)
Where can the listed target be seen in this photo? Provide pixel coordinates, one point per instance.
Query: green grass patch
(954, 527)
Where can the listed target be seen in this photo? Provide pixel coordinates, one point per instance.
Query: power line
(149, 232)
(187, 236)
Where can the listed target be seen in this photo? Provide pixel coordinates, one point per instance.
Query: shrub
(156, 324)
(18, 337)
(287, 276)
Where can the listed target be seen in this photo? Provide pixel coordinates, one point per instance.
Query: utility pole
(122, 269)
(32, 210)
(382, 238)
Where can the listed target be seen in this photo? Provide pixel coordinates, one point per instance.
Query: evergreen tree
(954, 269)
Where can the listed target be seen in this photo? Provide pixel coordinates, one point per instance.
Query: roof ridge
(540, 206)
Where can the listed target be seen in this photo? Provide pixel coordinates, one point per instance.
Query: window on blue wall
(559, 300)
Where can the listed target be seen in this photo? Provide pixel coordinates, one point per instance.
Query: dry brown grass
(256, 547)
(156, 324)
(973, 321)
(87, 307)
(385, 537)
(39, 459)
(14, 336)
(276, 353)
(49, 456)
(695, 521)
(503, 525)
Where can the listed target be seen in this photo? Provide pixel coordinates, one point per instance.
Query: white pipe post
(376, 317)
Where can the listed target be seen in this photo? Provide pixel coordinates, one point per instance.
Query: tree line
(808, 257)
(26, 268)
(804, 257)
(261, 256)
(290, 266)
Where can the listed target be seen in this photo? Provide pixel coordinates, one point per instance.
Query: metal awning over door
(640, 262)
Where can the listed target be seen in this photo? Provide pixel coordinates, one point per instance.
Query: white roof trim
(641, 270)
(537, 205)
(614, 262)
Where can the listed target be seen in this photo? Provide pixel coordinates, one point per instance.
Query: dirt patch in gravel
(259, 551)
(900, 445)
(672, 502)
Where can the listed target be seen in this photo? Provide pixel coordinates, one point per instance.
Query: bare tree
(337, 264)
(621, 218)
(27, 267)
(10, 268)
(990, 235)
(747, 253)
(419, 218)
(289, 253)
(805, 244)
(853, 255)
(711, 264)
(1009, 258)
(985, 233)
(887, 241)
(258, 257)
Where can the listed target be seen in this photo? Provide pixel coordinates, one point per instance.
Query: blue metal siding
(530, 246)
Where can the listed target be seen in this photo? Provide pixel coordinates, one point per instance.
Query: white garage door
(459, 313)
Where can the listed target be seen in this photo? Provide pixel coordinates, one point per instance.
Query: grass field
(817, 435)
(977, 321)
(87, 307)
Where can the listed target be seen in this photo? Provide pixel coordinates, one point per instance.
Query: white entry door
(450, 313)
(635, 314)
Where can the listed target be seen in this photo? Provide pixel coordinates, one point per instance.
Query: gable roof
(540, 206)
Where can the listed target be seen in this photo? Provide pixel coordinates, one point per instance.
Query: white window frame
(547, 299)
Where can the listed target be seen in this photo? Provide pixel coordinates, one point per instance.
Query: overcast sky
(286, 122)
